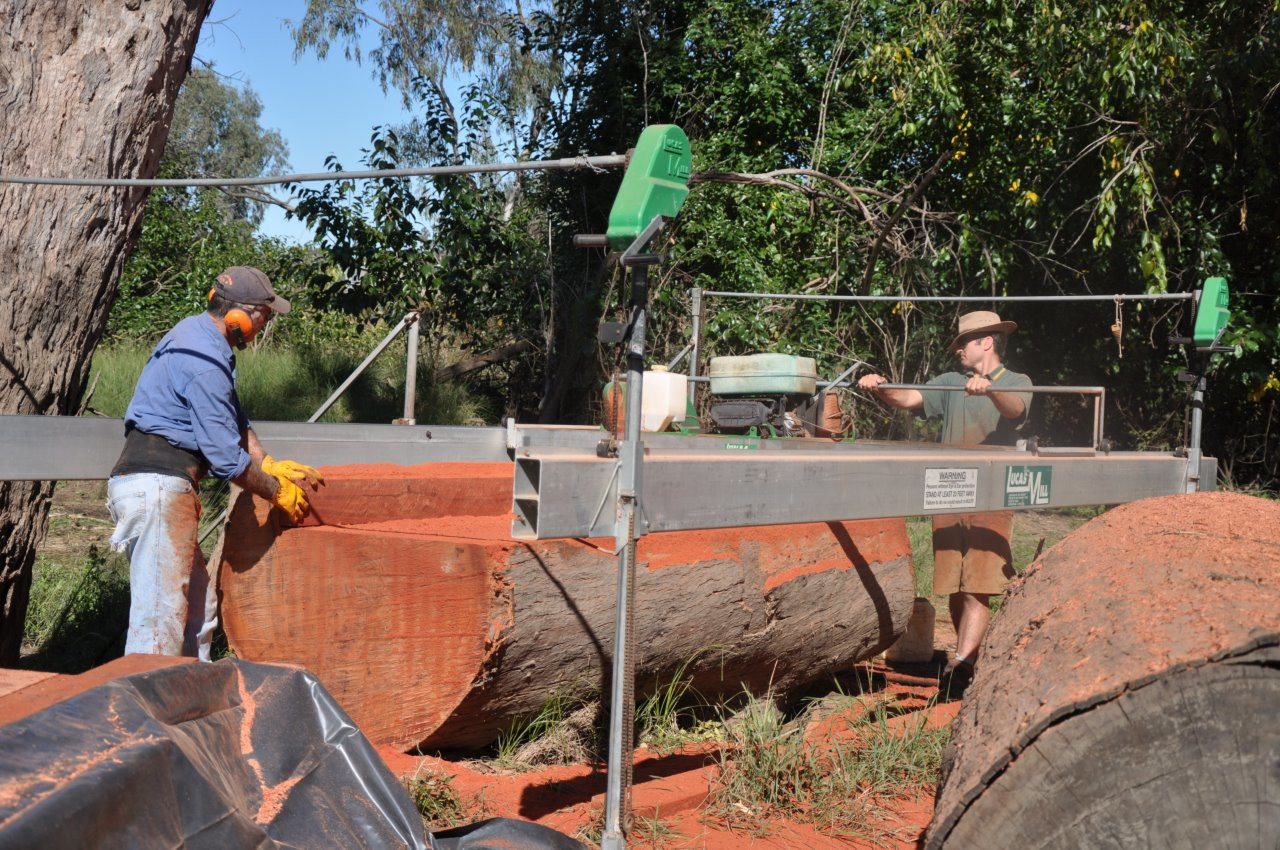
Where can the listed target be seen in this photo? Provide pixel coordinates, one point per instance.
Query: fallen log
(434, 628)
(1128, 690)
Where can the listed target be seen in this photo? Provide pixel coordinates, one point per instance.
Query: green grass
(675, 714)
(769, 770)
(290, 384)
(438, 802)
(112, 377)
(564, 731)
(78, 612)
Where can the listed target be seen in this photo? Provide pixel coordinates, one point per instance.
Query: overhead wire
(594, 163)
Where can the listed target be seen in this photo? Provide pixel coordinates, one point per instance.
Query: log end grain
(1132, 657)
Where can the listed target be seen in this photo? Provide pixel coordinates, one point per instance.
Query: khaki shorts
(971, 553)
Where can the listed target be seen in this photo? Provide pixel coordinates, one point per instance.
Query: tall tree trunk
(87, 88)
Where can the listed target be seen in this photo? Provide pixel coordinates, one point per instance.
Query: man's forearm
(1008, 404)
(901, 399)
(256, 481)
(253, 447)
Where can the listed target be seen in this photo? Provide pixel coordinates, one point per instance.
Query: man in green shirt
(973, 558)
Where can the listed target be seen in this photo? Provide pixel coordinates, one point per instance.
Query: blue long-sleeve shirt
(187, 394)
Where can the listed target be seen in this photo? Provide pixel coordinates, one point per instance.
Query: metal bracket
(612, 333)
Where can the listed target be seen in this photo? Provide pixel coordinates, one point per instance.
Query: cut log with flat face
(437, 629)
(1128, 690)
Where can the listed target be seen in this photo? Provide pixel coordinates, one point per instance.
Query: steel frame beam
(571, 496)
(69, 448)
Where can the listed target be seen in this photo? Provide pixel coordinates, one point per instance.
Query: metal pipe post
(695, 300)
(1193, 440)
(1197, 411)
(411, 372)
(1102, 419)
(675, 361)
(622, 693)
(359, 370)
(328, 403)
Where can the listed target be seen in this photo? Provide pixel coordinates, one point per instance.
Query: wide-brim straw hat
(981, 321)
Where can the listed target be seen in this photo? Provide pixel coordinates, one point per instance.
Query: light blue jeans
(173, 606)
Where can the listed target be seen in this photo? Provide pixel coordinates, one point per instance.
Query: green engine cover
(1212, 314)
(655, 184)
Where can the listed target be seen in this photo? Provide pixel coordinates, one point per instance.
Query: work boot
(955, 679)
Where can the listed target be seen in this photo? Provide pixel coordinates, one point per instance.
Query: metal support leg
(695, 299)
(628, 529)
(1197, 424)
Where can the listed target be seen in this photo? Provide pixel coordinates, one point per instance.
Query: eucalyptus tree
(216, 132)
(90, 89)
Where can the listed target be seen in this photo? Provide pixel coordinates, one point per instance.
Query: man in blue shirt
(972, 553)
(184, 422)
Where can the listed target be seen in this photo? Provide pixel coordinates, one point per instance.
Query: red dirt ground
(673, 787)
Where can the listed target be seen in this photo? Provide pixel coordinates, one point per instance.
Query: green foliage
(187, 240)
(78, 613)
(190, 235)
(955, 148)
(215, 133)
(373, 230)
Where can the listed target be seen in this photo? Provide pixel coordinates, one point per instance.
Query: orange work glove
(290, 499)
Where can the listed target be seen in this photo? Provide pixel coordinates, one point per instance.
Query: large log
(1129, 688)
(433, 628)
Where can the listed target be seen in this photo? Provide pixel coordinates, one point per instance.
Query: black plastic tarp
(225, 755)
(503, 834)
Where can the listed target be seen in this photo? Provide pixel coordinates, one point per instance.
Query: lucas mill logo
(1027, 486)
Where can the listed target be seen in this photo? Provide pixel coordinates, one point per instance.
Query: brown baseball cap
(981, 322)
(247, 285)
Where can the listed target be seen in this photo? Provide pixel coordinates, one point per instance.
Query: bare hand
(871, 382)
(977, 385)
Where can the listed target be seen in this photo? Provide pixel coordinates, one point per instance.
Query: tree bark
(432, 627)
(1127, 690)
(87, 88)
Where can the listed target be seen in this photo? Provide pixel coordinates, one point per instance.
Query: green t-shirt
(972, 420)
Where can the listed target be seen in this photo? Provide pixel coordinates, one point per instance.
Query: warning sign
(950, 488)
(1027, 486)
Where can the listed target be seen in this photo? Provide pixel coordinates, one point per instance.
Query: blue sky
(320, 108)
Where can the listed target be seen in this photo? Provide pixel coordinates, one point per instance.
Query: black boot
(955, 678)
